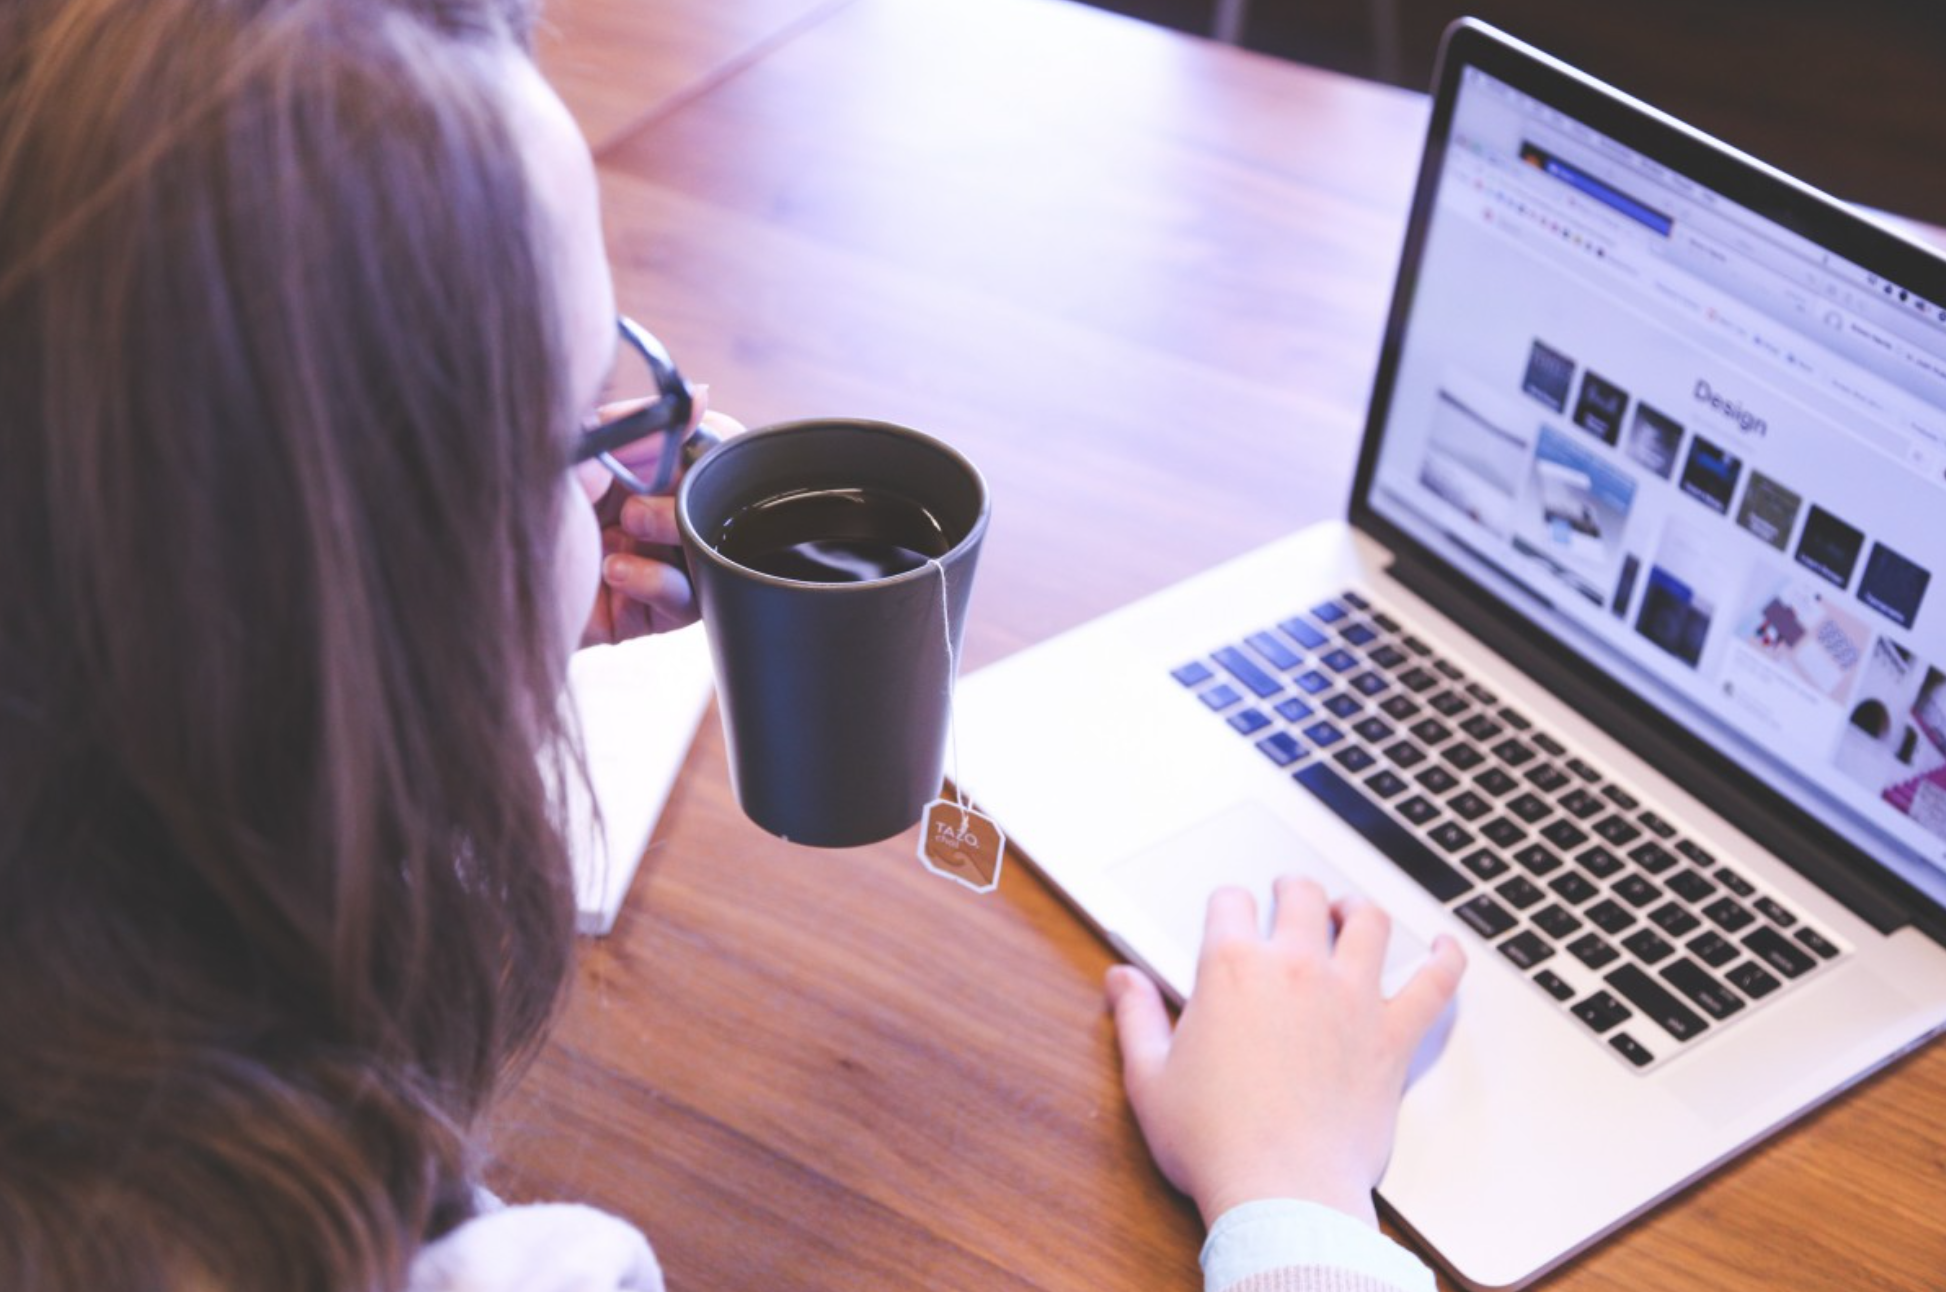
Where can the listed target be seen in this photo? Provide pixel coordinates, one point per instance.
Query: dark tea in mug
(833, 535)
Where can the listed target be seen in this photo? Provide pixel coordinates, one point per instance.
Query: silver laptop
(1626, 666)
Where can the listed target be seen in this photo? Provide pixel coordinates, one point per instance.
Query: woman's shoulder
(544, 1247)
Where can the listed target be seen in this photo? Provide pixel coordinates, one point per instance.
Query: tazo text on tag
(961, 844)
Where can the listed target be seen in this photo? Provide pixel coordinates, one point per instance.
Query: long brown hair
(281, 428)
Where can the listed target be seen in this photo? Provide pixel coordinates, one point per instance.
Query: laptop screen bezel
(1745, 799)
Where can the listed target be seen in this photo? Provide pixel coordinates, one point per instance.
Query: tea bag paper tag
(954, 840)
(962, 844)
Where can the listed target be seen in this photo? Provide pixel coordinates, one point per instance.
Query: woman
(302, 310)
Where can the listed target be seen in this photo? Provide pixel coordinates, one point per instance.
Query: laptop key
(1495, 781)
(1673, 919)
(1631, 1049)
(1526, 949)
(1468, 806)
(1221, 696)
(1282, 748)
(1712, 948)
(1369, 684)
(1418, 809)
(1436, 779)
(1529, 807)
(1354, 758)
(1546, 777)
(1592, 950)
(1581, 768)
(1312, 682)
(1449, 704)
(1399, 707)
(1652, 857)
(1513, 753)
(1462, 756)
(1775, 912)
(1405, 754)
(1572, 888)
(1273, 650)
(1503, 832)
(1695, 852)
(1779, 952)
(1359, 634)
(1431, 731)
(1327, 612)
(1194, 673)
(1485, 916)
(1293, 709)
(1564, 834)
(1386, 656)
(1554, 985)
(1617, 830)
(1552, 747)
(1602, 1011)
(1703, 990)
(1751, 979)
(1598, 861)
(1735, 883)
(1322, 734)
(1244, 669)
(1520, 893)
(1556, 921)
(1656, 826)
(1386, 784)
(1729, 915)
(1418, 680)
(1339, 660)
(1375, 730)
(1354, 600)
(1450, 835)
(1425, 866)
(1248, 721)
(1536, 860)
(1342, 706)
(1657, 1002)
(1303, 634)
(1580, 804)
(1690, 885)
(1608, 916)
(1811, 938)
(1646, 946)
(1480, 727)
(1636, 891)
(1485, 864)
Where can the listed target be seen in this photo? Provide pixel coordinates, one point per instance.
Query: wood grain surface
(1139, 279)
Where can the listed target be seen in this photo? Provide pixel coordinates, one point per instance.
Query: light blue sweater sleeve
(1283, 1245)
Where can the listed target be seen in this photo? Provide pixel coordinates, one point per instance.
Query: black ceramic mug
(833, 673)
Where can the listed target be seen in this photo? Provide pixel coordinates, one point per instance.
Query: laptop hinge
(1825, 858)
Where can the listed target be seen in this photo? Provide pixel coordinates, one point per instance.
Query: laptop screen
(1702, 451)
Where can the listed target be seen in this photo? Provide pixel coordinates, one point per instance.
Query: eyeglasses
(669, 411)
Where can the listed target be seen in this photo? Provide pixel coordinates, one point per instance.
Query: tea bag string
(952, 688)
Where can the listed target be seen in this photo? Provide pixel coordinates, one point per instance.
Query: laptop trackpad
(1249, 847)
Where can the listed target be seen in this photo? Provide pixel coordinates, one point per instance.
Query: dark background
(1849, 95)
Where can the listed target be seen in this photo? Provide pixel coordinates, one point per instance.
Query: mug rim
(729, 445)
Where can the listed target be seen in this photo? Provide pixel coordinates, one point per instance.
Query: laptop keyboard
(1633, 928)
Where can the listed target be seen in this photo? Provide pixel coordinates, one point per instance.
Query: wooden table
(1140, 279)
